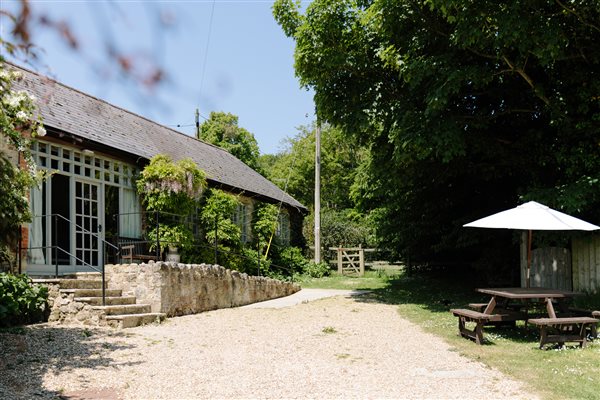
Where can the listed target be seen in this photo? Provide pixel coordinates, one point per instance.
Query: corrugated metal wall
(586, 264)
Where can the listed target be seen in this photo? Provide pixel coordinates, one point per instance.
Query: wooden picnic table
(502, 309)
(502, 296)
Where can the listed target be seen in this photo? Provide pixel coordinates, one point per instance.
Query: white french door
(87, 217)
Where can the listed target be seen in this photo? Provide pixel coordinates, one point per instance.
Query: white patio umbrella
(532, 216)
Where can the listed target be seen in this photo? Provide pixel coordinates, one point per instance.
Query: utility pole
(318, 193)
(197, 124)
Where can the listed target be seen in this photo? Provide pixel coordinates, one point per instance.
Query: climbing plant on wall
(168, 189)
(18, 124)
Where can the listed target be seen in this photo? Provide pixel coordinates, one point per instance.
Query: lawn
(425, 298)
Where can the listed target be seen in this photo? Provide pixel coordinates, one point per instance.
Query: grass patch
(370, 281)
(426, 297)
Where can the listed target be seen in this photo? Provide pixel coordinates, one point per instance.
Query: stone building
(94, 150)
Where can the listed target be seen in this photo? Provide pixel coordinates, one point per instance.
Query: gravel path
(335, 348)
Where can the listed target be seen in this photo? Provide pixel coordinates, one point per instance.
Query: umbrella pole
(527, 280)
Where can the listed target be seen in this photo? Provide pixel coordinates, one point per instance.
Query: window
(241, 218)
(283, 228)
(98, 168)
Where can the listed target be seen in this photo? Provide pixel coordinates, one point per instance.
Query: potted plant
(171, 237)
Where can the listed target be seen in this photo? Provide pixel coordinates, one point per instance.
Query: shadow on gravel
(29, 353)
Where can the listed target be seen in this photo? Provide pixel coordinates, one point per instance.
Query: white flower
(12, 100)
(21, 116)
(41, 131)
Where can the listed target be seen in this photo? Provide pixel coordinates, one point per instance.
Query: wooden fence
(577, 269)
(586, 263)
(551, 268)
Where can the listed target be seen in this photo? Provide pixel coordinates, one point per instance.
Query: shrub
(316, 270)
(21, 302)
(292, 259)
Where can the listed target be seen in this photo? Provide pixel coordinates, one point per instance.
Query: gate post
(361, 259)
(339, 260)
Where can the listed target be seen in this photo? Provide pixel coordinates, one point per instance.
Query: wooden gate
(350, 261)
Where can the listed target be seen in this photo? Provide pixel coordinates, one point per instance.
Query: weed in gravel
(342, 356)
(329, 329)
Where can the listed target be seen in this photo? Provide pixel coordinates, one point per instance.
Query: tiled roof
(85, 116)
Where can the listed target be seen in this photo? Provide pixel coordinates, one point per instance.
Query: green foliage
(466, 108)
(20, 301)
(168, 186)
(293, 169)
(249, 262)
(292, 259)
(216, 212)
(171, 235)
(221, 129)
(18, 121)
(316, 270)
(340, 159)
(265, 223)
(340, 228)
(296, 264)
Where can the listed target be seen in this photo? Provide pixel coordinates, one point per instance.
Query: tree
(466, 108)
(221, 129)
(293, 169)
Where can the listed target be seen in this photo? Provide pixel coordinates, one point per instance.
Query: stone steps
(133, 320)
(80, 284)
(110, 301)
(91, 276)
(124, 309)
(93, 292)
(120, 311)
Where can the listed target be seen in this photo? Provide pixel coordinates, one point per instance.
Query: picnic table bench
(568, 329)
(508, 305)
(480, 319)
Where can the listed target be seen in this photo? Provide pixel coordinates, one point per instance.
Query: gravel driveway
(334, 348)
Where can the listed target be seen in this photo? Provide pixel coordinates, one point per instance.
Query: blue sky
(243, 64)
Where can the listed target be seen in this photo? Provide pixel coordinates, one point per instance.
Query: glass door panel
(87, 220)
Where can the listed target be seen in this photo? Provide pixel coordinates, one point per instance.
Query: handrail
(85, 263)
(81, 227)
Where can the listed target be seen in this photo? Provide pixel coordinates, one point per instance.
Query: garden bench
(135, 249)
(480, 319)
(569, 329)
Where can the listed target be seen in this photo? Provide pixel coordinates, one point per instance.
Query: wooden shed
(577, 268)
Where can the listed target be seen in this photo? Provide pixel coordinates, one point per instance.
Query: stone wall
(180, 289)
